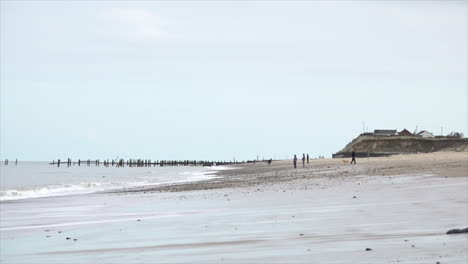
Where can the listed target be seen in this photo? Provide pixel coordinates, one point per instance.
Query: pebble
(368, 249)
(457, 231)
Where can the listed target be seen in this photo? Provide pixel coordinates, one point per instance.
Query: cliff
(371, 146)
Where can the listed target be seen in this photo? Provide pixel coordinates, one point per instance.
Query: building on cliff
(405, 133)
(384, 132)
(425, 134)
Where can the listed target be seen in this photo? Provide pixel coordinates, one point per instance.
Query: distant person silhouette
(295, 161)
(303, 160)
(353, 155)
(307, 158)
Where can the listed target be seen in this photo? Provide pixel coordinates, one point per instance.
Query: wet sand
(329, 212)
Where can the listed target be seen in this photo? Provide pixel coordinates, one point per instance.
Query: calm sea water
(39, 179)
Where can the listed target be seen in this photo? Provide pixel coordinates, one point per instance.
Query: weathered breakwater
(139, 163)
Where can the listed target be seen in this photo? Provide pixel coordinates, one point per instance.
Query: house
(455, 135)
(384, 132)
(425, 134)
(405, 133)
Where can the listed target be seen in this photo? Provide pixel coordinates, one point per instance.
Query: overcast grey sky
(217, 80)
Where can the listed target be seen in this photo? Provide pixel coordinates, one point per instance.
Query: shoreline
(440, 164)
(326, 213)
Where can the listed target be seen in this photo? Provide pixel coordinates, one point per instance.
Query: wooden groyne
(6, 162)
(139, 163)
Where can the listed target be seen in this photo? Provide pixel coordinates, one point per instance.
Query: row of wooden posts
(6, 162)
(140, 163)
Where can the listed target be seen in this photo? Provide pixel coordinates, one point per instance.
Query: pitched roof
(405, 132)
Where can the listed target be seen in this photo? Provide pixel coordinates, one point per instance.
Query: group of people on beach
(306, 157)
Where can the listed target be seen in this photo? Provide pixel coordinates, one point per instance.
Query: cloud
(135, 24)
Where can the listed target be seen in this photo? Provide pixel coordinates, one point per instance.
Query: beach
(382, 210)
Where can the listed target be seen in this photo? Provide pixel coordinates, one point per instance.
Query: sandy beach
(399, 208)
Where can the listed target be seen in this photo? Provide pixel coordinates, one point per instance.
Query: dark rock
(412, 245)
(368, 249)
(457, 231)
(354, 197)
(47, 236)
(301, 234)
(138, 220)
(68, 238)
(75, 239)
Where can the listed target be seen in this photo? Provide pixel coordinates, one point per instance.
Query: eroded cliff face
(371, 146)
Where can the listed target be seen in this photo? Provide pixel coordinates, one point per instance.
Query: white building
(425, 134)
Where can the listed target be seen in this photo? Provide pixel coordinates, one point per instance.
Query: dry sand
(329, 212)
(443, 164)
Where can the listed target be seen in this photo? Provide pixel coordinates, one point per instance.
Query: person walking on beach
(353, 155)
(295, 161)
(307, 158)
(303, 160)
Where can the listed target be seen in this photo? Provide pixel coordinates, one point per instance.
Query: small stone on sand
(457, 231)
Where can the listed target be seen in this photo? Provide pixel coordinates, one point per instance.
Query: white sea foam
(45, 181)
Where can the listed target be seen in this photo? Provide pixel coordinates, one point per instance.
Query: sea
(40, 179)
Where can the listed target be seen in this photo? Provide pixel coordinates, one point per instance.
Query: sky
(219, 80)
